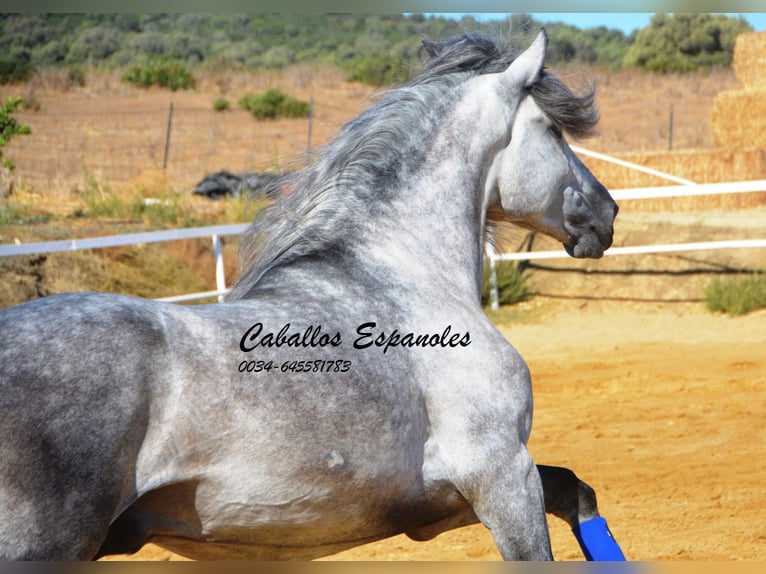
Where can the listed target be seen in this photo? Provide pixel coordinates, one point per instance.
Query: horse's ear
(526, 68)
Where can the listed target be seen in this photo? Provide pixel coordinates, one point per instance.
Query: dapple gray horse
(350, 388)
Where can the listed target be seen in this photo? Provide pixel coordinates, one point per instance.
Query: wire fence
(184, 141)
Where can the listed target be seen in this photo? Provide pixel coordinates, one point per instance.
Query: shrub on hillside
(383, 70)
(171, 75)
(221, 104)
(273, 104)
(15, 71)
(94, 45)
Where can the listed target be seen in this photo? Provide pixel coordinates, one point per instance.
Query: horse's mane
(361, 168)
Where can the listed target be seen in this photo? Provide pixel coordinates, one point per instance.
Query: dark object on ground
(224, 183)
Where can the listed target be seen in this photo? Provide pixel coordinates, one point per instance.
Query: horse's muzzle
(590, 229)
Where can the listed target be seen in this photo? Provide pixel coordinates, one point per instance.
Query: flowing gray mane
(361, 169)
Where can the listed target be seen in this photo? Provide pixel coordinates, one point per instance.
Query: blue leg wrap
(596, 541)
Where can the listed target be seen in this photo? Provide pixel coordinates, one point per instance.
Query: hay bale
(750, 59)
(739, 118)
(721, 202)
(701, 166)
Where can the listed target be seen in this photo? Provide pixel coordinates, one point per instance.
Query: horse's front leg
(570, 499)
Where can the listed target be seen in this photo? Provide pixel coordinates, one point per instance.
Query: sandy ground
(660, 407)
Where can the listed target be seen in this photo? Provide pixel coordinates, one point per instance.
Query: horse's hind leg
(508, 499)
(58, 490)
(45, 513)
(566, 496)
(570, 499)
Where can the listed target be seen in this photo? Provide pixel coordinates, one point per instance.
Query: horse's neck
(433, 231)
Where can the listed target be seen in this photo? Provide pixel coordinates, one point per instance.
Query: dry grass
(116, 132)
(635, 110)
(699, 204)
(750, 59)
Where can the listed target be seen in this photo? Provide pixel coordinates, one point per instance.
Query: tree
(9, 128)
(685, 42)
(94, 45)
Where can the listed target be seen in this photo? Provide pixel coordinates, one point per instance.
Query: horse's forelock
(571, 113)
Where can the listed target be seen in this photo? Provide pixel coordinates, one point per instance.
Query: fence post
(494, 298)
(311, 122)
(167, 137)
(670, 130)
(220, 280)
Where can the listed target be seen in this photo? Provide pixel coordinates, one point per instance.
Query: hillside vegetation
(372, 48)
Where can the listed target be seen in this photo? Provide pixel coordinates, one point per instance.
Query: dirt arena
(660, 407)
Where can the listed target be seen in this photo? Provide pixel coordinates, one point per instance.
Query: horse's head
(536, 178)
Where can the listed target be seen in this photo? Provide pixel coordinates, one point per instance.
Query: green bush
(15, 71)
(12, 213)
(171, 75)
(10, 128)
(736, 295)
(221, 104)
(101, 202)
(511, 284)
(94, 44)
(378, 70)
(76, 76)
(273, 104)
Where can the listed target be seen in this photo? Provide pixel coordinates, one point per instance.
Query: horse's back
(73, 412)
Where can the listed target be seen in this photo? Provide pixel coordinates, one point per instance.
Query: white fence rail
(217, 231)
(689, 190)
(630, 165)
(119, 240)
(639, 249)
